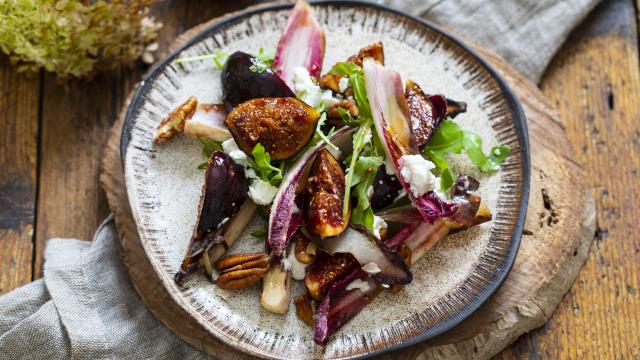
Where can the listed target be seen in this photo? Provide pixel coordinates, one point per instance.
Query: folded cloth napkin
(85, 306)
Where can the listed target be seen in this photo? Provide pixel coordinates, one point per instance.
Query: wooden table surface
(52, 135)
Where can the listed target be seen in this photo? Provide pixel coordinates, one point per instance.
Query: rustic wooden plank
(594, 84)
(76, 117)
(18, 154)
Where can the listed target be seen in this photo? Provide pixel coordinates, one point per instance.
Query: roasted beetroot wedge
(240, 83)
(224, 191)
(282, 125)
(325, 194)
(325, 270)
(343, 301)
(285, 215)
(301, 44)
(392, 122)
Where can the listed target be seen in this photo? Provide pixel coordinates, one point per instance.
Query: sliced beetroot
(282, 222)
(240, 83)
(342, 303)
(391, 118)
(224, 191)
(301, 44)
(360, 243)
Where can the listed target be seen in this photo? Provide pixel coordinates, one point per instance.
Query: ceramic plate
(452, 281)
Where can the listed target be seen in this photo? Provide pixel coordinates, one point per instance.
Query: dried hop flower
(76, 38)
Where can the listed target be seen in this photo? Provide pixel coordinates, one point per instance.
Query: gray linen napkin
(85, 306)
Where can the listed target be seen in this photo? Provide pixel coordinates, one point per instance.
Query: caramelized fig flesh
(325, 192)
(424, 116)
(385, 189)
(224, 191)
(282, 125)
(325, 270)
(240, 83)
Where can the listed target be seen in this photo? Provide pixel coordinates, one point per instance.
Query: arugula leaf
(345, 69)
(262, 162)
(356, 80)
(360, 139)
(363, 177)
(450, 138)
(266, 57)
(262, 61)
(219, 58)
(321, 135)
(348, 119)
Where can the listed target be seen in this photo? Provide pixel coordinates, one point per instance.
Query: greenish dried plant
(75, 38)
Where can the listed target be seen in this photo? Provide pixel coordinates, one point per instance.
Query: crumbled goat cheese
(378, 224)
(359, 284)
(250, 173)
(309, 92)
(231, 148)
(371, 268)
(298, 269)
(370, 191)
(416, 171)
(343, 84)
(261, 192)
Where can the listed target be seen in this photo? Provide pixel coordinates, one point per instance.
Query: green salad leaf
(262, 164)
(363, 177)
(208, 147)
(262, 61)
(321, 135)
(450, 138)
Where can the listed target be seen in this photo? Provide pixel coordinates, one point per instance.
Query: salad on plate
(350, 168)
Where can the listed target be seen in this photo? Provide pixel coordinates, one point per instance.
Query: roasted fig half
(282, 125)
(385, 189)
(325, 194)
(425, 116)
(224, 191)
(325, 270)
(241, 81)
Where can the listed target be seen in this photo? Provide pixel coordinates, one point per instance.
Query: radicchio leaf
(391, 118)
(301, 45)
(340, 304)
(285, 217)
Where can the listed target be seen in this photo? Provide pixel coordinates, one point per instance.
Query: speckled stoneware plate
(452, 281)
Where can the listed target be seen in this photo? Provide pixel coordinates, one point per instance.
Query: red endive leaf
(301, 44)
(391, 119)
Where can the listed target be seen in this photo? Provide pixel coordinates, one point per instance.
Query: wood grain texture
(594, 83)
(554, 241)
(19, 106)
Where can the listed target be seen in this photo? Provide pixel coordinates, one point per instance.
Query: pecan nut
(174, 122)
(241, 270)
